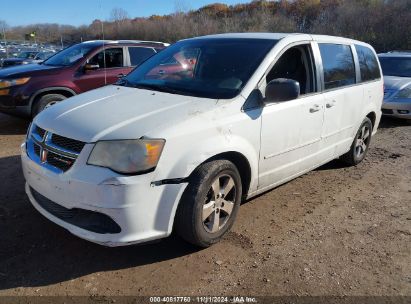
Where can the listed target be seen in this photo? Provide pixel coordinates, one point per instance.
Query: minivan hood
(115, 112)
(396, 83)
(26, 70)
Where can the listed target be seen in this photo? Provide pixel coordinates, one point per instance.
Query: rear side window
(368, 63)
(338, 65)
(139, 54)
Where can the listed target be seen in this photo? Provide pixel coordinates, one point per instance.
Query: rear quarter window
(368, 63)
(139, 54)
(338, 65)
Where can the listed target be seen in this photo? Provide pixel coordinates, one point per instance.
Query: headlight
(404, 93)
(13, 82)
(127, 156)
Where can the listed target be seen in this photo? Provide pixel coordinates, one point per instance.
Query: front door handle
(330, 104)
(315, 108)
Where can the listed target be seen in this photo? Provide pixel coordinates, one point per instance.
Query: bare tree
(181, 7)
(118, 14)
(3, 28)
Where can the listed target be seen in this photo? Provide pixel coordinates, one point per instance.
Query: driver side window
(109, 58)
(296, 63)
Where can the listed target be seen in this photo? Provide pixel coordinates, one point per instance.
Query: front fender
(193, 155)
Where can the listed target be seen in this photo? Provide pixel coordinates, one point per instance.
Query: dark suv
(28, 89)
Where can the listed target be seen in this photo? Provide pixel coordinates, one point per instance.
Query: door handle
(330, 104)
(161, 72)
(315, 108)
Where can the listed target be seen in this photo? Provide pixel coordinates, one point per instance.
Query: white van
(204, 124)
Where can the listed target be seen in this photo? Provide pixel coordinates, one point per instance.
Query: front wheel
(210, 203)
(360, 145)
(46, 101)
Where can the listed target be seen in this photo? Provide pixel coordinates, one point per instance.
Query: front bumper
(144, 212)
(400, 108)
(14, 102)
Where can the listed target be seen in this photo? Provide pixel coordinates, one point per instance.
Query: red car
(28, 89)
(180, 65)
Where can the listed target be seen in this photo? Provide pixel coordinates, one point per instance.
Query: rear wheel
(46, 101)
(360, 145)
(210, 203)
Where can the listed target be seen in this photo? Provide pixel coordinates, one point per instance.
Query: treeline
(386, 24)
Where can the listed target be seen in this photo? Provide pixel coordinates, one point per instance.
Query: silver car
(396, 67)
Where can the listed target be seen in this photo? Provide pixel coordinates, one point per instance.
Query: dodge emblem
(43, 157)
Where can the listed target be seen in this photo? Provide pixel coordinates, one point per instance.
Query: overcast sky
(78, 12)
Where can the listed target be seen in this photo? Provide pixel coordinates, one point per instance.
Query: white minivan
(182, 140)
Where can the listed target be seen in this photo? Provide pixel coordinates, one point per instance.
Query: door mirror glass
(91, 67)
(282, 89)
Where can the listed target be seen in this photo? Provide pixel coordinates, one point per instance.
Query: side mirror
(91, 67)
(282, 89)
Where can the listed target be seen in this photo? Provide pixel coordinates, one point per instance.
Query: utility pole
(61, 40)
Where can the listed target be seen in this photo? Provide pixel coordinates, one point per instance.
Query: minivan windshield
(208, 67)
(70, 55)
(396, 66)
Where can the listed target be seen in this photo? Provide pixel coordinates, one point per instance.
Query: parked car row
(26, 57)
(194, 130)
(28, 89)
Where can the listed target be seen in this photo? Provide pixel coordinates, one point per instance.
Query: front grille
(387, 111)
(39, 131)
(53, 151)
(59, 161)
(89, 220)
(67, 143)
(37, 149)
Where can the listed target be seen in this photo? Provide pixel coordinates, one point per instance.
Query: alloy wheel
(362, 141)
(219, 203)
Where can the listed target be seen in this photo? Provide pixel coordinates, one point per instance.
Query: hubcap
(362, 141)
(219, 203)
(51, 103)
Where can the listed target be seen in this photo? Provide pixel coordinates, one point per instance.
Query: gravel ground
(335, 231)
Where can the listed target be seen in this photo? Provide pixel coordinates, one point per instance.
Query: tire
(45, 101)
(360, 145)
(200, 197)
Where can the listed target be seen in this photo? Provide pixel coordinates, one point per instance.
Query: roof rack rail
(128, 41)
(143, 41)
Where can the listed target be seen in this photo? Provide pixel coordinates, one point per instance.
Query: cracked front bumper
(143, 211)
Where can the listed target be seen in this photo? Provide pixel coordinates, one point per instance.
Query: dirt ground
(335, 231)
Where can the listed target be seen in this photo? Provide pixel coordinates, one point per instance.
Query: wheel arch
(373, 117)
(67, 92)
(242, 164)
(238, 159)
